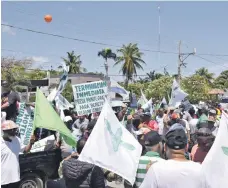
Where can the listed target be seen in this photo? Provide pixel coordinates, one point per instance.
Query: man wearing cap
(11, 146)
(203, 118)
(9, 103)
(177, 171)
(147, 122)
(153, 144)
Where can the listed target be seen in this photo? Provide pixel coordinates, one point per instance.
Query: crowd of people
(175, 142)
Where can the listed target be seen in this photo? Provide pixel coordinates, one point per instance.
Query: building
(77, 78)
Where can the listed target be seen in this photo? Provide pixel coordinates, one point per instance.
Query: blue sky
(202, 25)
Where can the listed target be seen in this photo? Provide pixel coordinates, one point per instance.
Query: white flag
(142, 100)
(215, 165)
(61, 102)
(177, 94)
(112, 147)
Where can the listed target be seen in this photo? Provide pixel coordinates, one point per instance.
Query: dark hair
(67, 112)
(192, 111)
(91, 124)
(80, 145)
(69, 124)
(205, 139)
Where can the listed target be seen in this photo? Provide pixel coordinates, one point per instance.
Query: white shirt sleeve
(150, 180)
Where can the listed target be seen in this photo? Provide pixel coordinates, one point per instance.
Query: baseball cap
(152, 138)
(212, 111)
(8, 125)
(146, 114)
(67, 118)
(176, 137)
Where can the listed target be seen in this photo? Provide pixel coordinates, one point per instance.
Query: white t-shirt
(187, 128)
(174, 174)
(192, 125)
(160, 121)
(10, 169)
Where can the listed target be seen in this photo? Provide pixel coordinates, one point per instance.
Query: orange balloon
(48, 18)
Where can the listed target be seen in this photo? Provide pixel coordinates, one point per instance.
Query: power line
(79, 40)
(99, 43)
(210, 61)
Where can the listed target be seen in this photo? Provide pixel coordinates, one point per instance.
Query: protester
(153, 144)
(147, 122)
(193, 128)
(81, 123)
(82, 174)
(177, 171)
(9, 103)
(160, 121)
(205, 140)
(203, 118)
(11, 146)
(66, 149)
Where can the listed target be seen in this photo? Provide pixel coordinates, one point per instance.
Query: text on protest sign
(89, 97)
(25, 122)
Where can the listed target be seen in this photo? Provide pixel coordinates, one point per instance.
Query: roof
(80, 75)
(216, 91)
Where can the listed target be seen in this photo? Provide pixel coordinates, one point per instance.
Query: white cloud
(8, 30)
(40, 59)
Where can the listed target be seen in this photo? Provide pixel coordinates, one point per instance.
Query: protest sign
(43, 144)
(89, 97)
(25, 122)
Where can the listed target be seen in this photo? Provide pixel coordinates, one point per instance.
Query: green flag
(46, 117)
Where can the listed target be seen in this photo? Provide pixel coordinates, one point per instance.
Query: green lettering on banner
(89, 97)
(22, 131)
(25, 122)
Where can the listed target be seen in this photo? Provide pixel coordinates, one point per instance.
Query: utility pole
(181, 58)
(159, 33)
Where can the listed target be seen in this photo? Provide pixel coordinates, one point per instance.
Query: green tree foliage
(197, 87)
(221, 81)
(130, 60)
(135, 88)
(107, 54)
(205, 73)
(159, 88)
(68, 92)
(74, 63)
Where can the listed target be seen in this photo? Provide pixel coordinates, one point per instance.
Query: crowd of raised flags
(113, 146)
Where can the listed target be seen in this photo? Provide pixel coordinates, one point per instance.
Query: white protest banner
(177, 95)
(90, 97)
(25, 122)
(215, 165)
(43, 144)
(111, 146)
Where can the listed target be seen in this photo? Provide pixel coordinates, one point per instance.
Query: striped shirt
(142, 168)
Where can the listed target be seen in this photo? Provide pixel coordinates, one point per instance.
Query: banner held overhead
(90, 97)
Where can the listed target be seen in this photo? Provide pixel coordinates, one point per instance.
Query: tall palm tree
(131, 60)
(74, 63)
(205, 73)
(107, 54)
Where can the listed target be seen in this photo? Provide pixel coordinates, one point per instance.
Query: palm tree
(131, 59)
(107, 54)
(153, 76)
(74, 63)
(205, 73)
